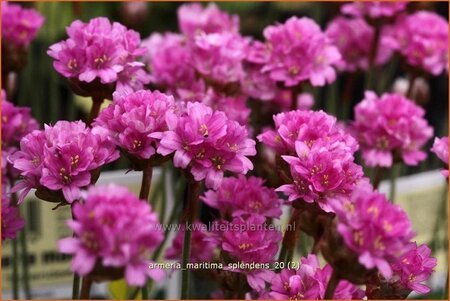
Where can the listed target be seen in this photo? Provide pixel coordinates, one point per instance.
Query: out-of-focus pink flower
(388, 127)
(300, 52)
(305, 101)
(208, 143)
(440, 148)
(374, 9)
(219, 56)
(253, 243)
(136, 121)
(202, 246)
(257, 84)
(20, 25)
(309, 282)
(16, 122)
(12, 223)
(414, 267)
(194, 19)
(233, 106)
(422, 39)
(100, 50)
(238, 196)
(62, 157)
(352, 37)
(116, 229)
(169, 60)
(374, 228)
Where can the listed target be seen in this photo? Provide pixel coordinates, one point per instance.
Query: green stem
(332, 284)
(15, 276)
(146, 181)
(145, 292)
(132, 294)
(85, 288)
(190, 212)
(25, 270)
(289, 238)
(163, 194)
(95, 109)
(379, 171)
(75, 286)
(395, 173)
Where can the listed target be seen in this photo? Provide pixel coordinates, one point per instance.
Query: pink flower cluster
(16, 123)
(390, 127)
(422, 39)
(208, 143)
(101, 50)
(202, 245)
(194, 19)
(113, 228)
(374, 228)
(136, 121)
(414, 267)
(251, 241)
(19, 25)
(321, 156)
(240, 196)
(440, 148)
(12, 223)
(352, 37)
(62, 157)
(374, 9)
(309, 282)
(299, 52)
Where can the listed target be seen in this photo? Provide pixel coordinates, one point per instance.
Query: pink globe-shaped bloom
(309, 282)
(194, 19)
(235, 107)
(374, 228)
(300, 52)
(374, 9)
(414, 267)
(100, 50)
(169, 59)
(203, 248)
(135, 122)
(62, 157)
(218, 56)
(240, 196)
(422, 39)
(440, 148)
(207, 143)
(115, 229)
(16, 123)
(352, 36)
(248, 239)
(12, 223)
(20, 25)
(390, 127)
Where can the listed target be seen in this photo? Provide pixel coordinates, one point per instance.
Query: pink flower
(238, 196)
(390, 127)
(374, 9)
(422, 39)
(309, 282)
(12, 223)
(62, 157)
(249, 240)
(202, 246)
(257, 84)
(414, 267)
(169, 59)
(100, 50)
(305, 101)
(352, 37)
(440, 148)
(208, 143)
(115, 229)
(219, 56)
(194, 19)
(372, 227)
(300, 52)
(136, 121)
(233, 106)
(16, 122)
(20, 25)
